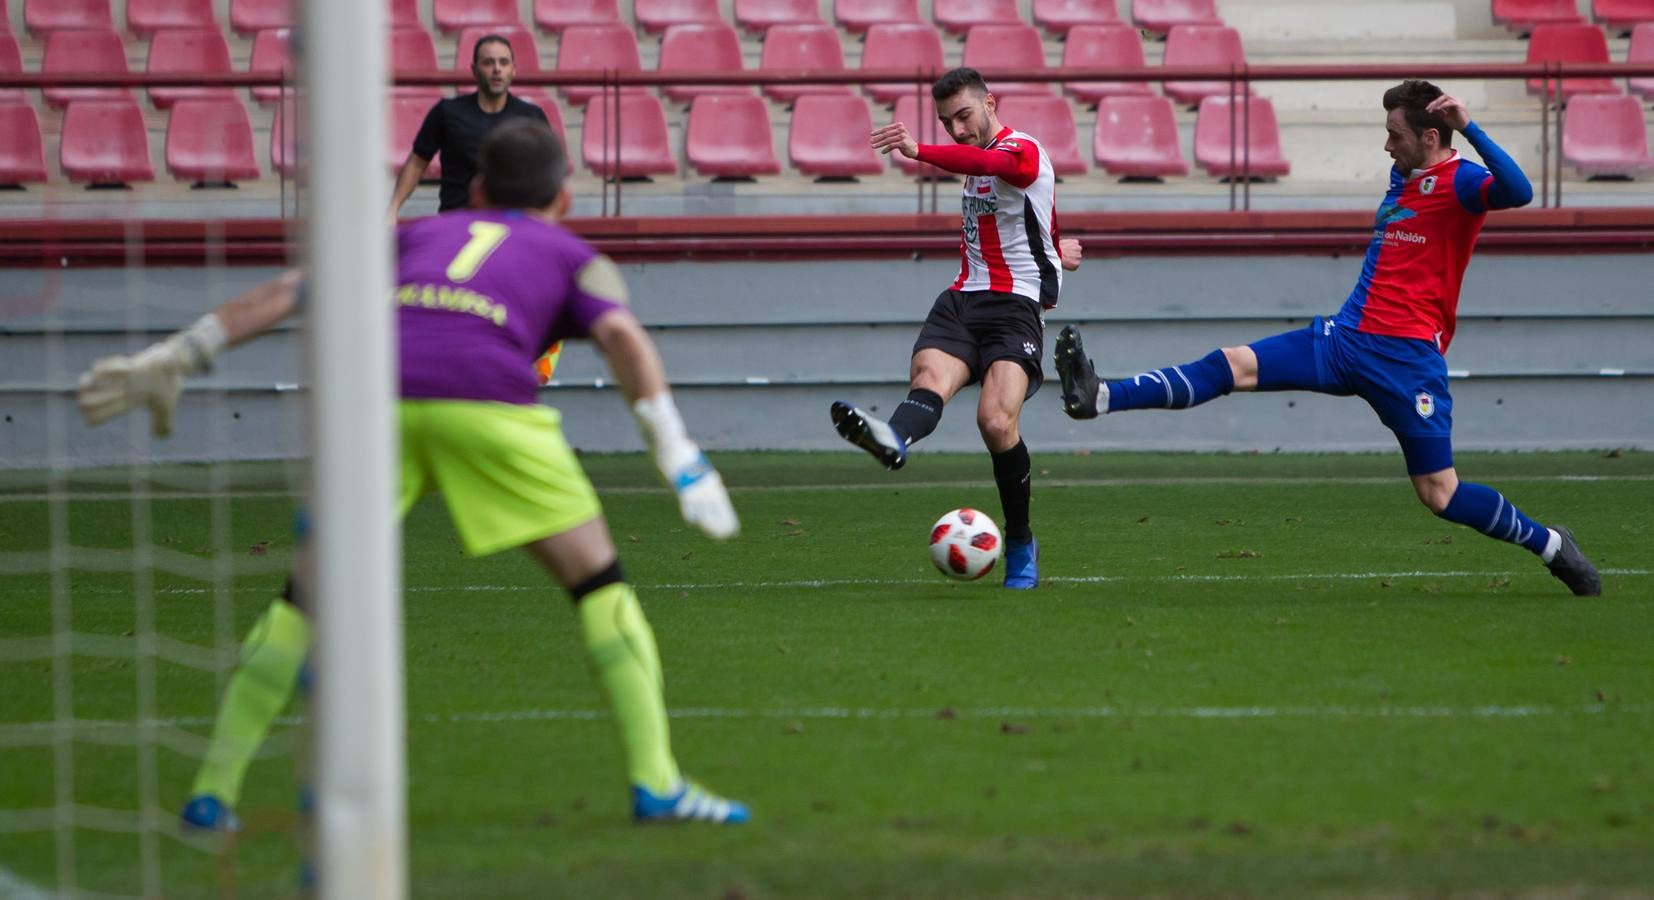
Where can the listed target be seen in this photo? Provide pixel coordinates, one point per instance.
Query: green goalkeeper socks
(622, 651)
(259, 689)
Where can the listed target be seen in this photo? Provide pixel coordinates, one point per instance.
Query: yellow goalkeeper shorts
(505, 471)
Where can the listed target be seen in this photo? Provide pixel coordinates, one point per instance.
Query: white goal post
(355, 550)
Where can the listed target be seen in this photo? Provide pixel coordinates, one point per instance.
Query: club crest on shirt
(1424, 404)
(1428, 184)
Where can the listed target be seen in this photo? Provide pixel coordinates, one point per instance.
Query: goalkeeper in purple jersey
(481, 294)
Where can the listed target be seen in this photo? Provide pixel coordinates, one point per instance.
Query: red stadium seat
(729, 137)
(407, 114)
(1136, 137)
(1642, 51)
(1202, 45)
(1605, 135)
(1060, 16)
(989, 47)
(759, 15)
(1570, 44)
(644, 146)
(1161, 16)
(554, 118)
(412, 50)
(403, 14)
(960, 16)
(284, 139)
(914, 46)
(149, 16)
(828, 136)
(22, 152)
(272, 55)
(1522, 16)
(1103, 46)
(1051, 121)
(98, 50)
(254, 16)
(856, 16)
(593, 49)
(105, 143)
(1622, 15)
(700, 47)
(51, 15)
(454, 15)
(210, 142)
(920, 119)
(812, 48)
(11, 63)
(556, 15)
(659, 15)
(1261, 134)
(196, 51)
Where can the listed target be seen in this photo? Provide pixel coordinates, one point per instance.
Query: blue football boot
(1022, 565)
(206, 812)
(689, 803)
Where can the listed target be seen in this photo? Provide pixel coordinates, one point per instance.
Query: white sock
(1551, 546)
(1102, 396)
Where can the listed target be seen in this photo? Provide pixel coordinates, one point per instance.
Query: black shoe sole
(1079, 400)
(852, 426)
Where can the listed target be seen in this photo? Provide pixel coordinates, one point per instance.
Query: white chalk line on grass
(1334, 711)
(871, 485)
(15, 887)
(816, 583)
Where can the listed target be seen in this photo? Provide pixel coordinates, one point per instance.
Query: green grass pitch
(1243, 676)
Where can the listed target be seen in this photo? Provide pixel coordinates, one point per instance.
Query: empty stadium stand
(700, 47)
(642, 147)
(960, 16)
(22, 150)
(41, 16)
(271, 55)
(595, 48)
(1202, 45)
(83, 50)
(1622, 15)
(759, 15)
(1523, 16)
(1161, 16)
(1136, 138)
(1051, 121)
(659, 15)
(1604, 135)
(808, 48)
(145, 17)
(105, 143)
(1061, 16)
(458, 15)
(210, 142)
(1577, 43)
(900, 45)
(555, 15)
(1256, 151)
(1641, 50)
(188, 51)
(856, 16)
(828, 137)
(728, 136)
(253, 16)
(1114, 45)
(1016, 46)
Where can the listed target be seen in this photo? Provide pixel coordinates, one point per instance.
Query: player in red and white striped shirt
(987, 326)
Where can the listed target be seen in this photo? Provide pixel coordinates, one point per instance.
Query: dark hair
(955, 81)
(476, 49)
(521, 164)
(1411, 97)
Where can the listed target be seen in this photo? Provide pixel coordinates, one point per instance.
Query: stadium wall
(1554, 350)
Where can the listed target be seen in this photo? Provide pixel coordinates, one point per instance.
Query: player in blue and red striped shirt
(1386, 344)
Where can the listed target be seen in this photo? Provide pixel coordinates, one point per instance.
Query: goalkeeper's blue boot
(206, 812)
(1022, 565)
(871, 434)
(688, 803)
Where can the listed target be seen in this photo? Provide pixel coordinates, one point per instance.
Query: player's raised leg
(621, 649)
(999, 418)
(935, 376)
(1486, 510)
(1084, 395)
(271, 658)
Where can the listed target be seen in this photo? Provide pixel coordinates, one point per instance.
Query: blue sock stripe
(1188, 400)
(1180, 387)
(1484, 509)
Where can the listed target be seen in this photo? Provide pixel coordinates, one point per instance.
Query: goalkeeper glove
(152, 378)
(702, 497)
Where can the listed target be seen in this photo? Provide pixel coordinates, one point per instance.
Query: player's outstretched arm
(153, 377)
(702, 498)
(1511, 187)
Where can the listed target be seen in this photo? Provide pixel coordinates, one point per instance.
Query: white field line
(15, 887)
(875, 484)
(810, 583)
(1334, 711)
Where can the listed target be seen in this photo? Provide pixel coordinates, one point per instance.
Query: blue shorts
(1404, 380)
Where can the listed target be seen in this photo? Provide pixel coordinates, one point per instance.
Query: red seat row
(1523, 16)
(250, 16)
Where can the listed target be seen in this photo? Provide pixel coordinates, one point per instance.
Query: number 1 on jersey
(486, 237)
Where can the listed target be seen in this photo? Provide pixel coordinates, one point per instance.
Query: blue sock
(1487, 511)
(1174, 387)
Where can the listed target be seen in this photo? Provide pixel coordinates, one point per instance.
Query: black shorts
(983, 327)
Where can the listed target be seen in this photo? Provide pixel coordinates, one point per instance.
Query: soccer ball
(965, 544)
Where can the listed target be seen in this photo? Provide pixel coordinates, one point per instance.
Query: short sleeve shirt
(455, 127)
